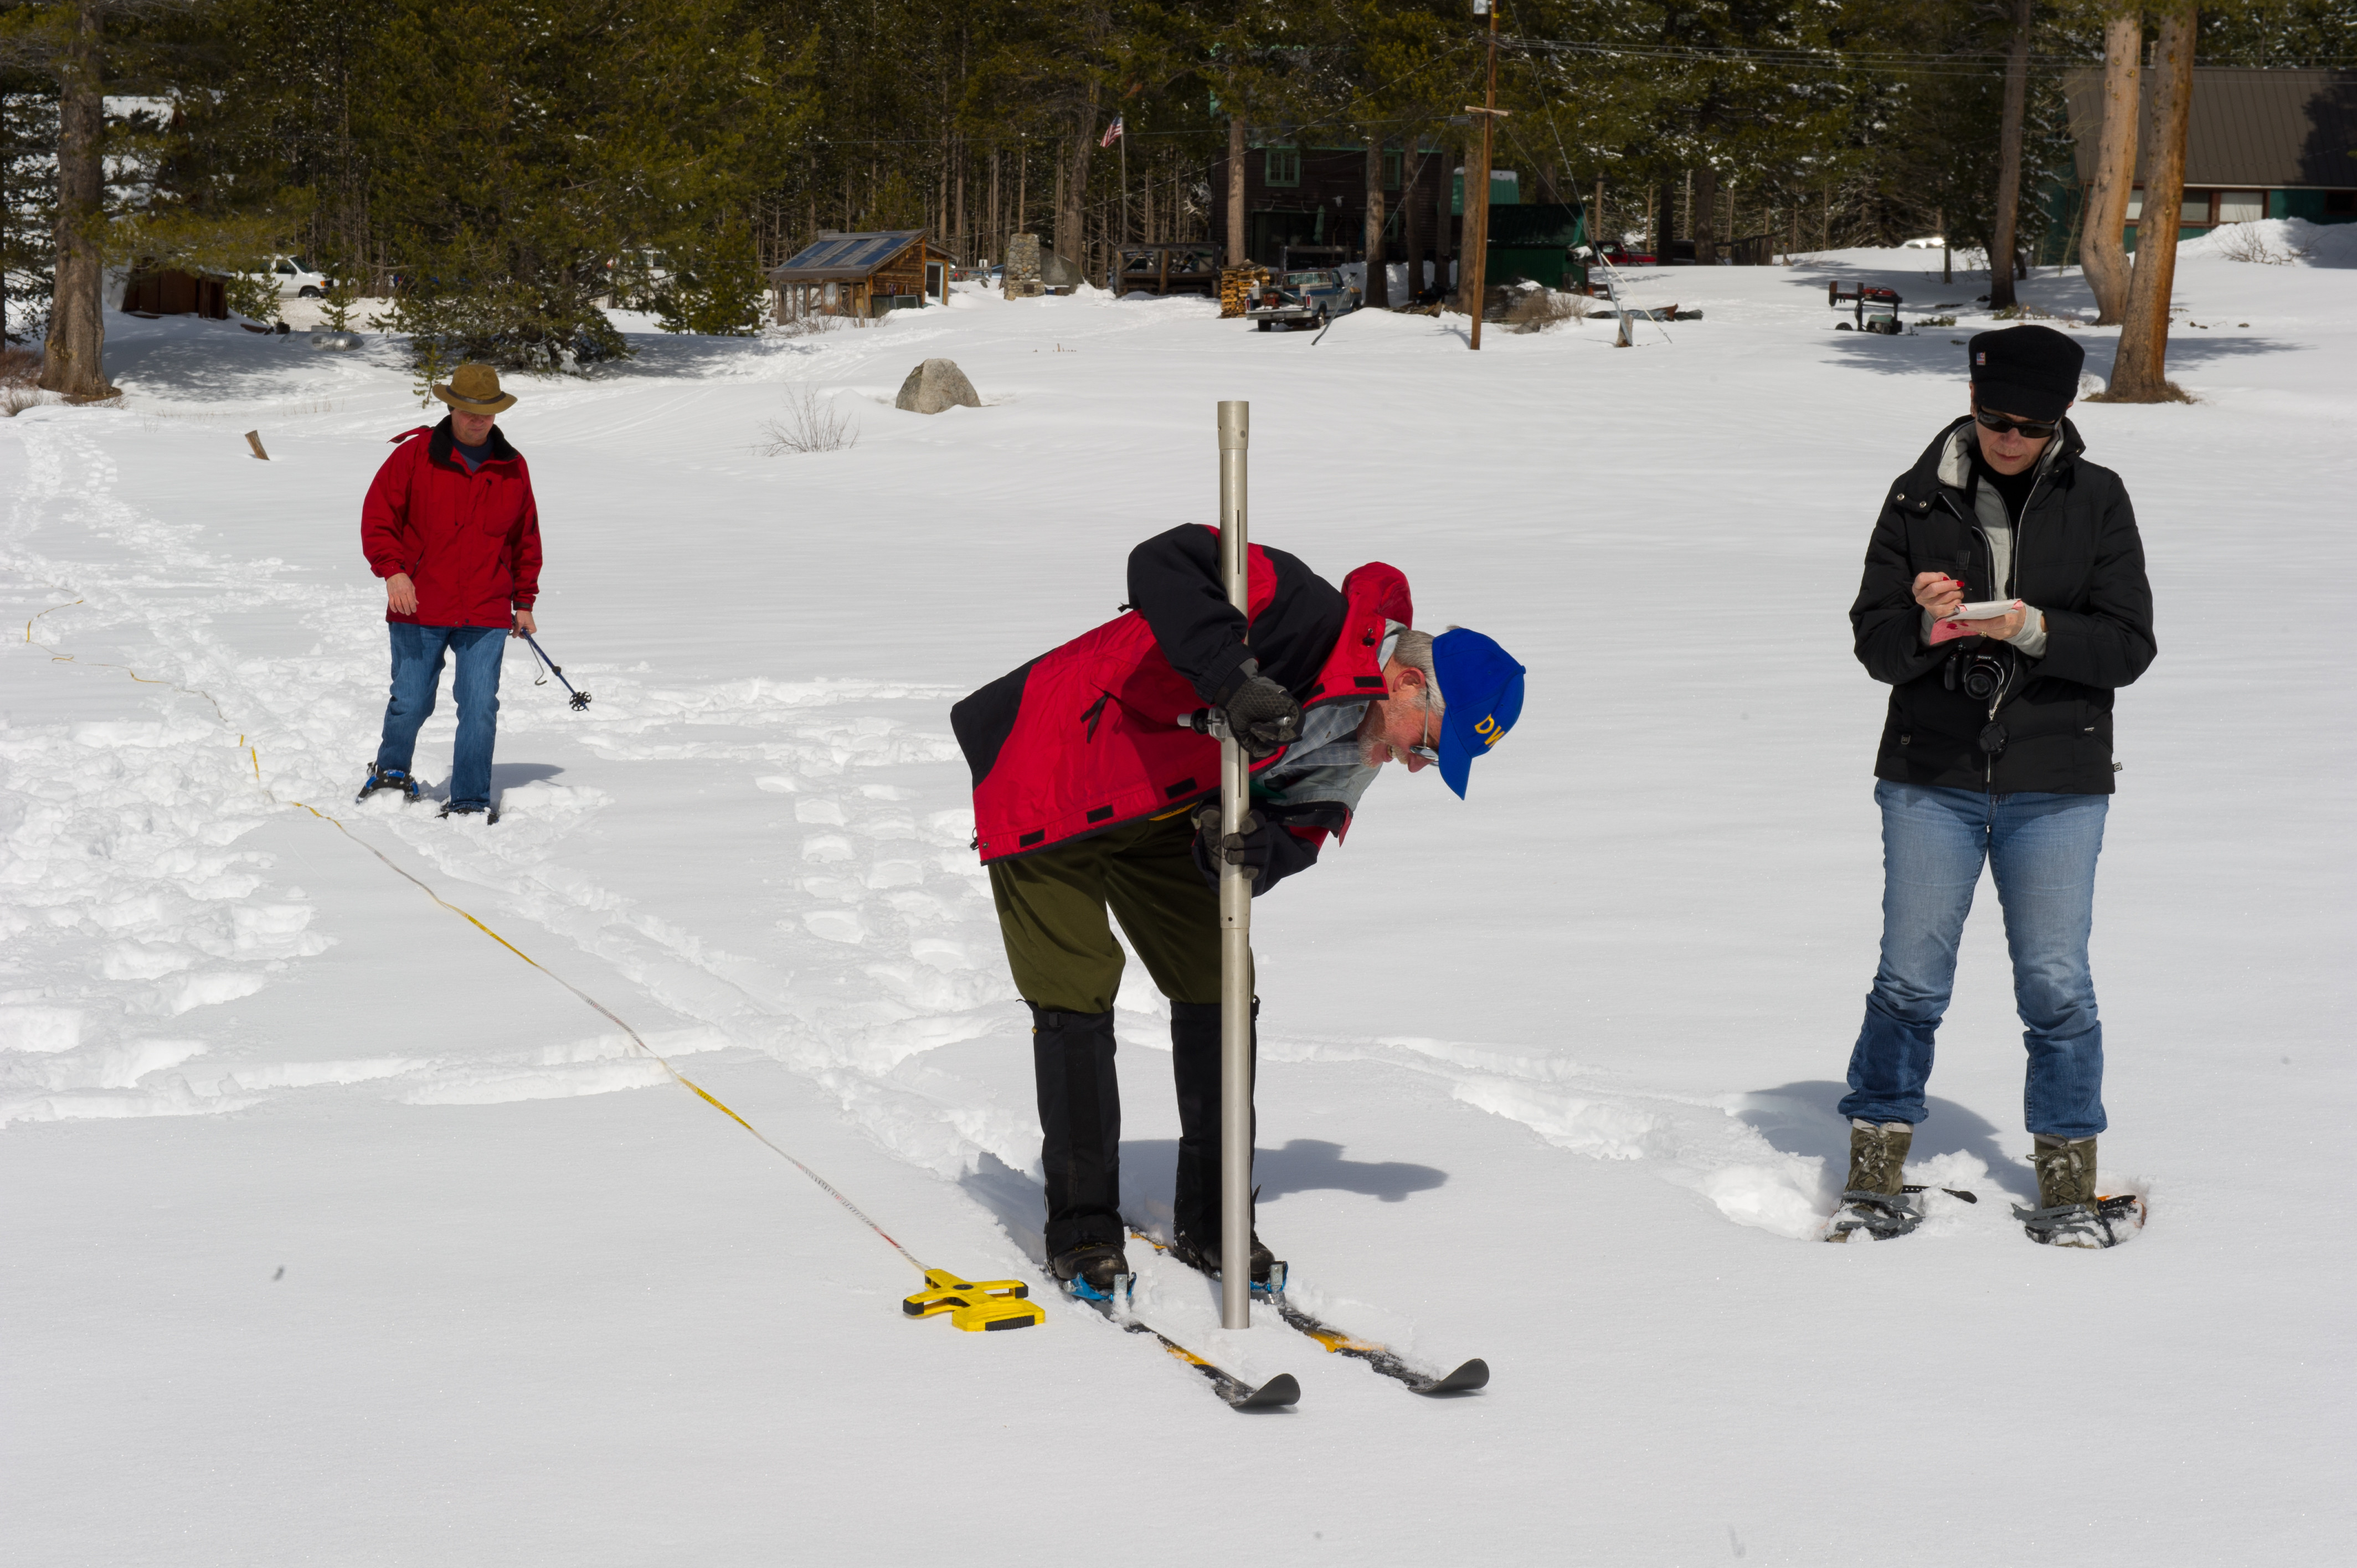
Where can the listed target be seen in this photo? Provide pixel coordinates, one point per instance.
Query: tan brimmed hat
(475, 388)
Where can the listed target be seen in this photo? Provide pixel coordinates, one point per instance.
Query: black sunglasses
(2036, 429)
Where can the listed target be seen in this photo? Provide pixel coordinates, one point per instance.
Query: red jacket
(1086, 737)
(470, 542)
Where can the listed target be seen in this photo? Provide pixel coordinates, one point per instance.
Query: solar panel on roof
(854, 253)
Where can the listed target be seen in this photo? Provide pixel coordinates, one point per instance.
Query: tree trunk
(1704, 216)
(1378, 296)
(1411, 242)
(1443, 220)
(74, 357)
(2140, 372)
(2102, 254)
(2002, 246)
(1071, 231)
(1236, 256)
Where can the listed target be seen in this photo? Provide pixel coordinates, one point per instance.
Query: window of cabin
(2196, 209)
(2341, 203)
(2241, 206)
(1283, 167)
(2136, 204)
(1392, 162)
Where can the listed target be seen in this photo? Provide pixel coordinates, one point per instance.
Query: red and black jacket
(1087, 737)
(469, 543)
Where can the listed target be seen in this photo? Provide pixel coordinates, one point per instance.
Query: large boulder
(935, 385)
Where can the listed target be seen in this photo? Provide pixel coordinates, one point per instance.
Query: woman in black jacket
(1998, 750)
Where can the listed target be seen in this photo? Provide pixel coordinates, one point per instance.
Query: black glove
(1267, 850)
(1261, 715)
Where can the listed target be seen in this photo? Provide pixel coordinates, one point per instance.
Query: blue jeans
(2042, 849)
(417, 655)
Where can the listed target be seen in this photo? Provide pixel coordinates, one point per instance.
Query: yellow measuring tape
(972, 1306)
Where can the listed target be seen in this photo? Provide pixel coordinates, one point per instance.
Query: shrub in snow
(1534, 309)
(2253, 242)
(808, 424)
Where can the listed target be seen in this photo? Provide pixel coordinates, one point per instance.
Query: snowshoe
(1203, 1257)
(1882, 1215)
(488, 813)
(387, 779)
(1098, 1270)
(2107, 1222)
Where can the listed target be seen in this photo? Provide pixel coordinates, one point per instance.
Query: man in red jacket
(1089, 797)
(450, 526)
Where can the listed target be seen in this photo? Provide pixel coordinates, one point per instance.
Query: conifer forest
(504, 172)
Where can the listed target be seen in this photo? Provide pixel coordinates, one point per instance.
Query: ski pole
(580, 699)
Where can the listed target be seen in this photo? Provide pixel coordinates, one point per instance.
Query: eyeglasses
(1423, 748)
(2036, 429)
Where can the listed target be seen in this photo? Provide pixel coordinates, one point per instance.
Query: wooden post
(1477, 236)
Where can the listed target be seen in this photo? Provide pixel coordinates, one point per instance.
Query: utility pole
(1477, 206)
(1235, 916)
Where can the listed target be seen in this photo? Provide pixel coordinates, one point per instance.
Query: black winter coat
(2076, 556)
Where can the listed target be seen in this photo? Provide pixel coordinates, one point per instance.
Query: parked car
(1924, 243)
(1621, 255)
(1302, 299)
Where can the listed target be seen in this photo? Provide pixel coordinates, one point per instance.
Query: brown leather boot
(1873, 1200)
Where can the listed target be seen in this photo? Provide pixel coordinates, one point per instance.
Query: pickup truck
(1302, 299)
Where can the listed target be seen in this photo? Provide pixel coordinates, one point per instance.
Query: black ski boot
(387, 779)
(1093, 1271)
(2069, 1213)
(1203, 1257)
(1875, 1200)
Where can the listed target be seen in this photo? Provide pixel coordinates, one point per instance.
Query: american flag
(1113, 133)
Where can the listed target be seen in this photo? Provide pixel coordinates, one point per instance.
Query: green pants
(1051, 911)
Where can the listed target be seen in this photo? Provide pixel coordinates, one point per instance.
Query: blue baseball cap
(1483, 688)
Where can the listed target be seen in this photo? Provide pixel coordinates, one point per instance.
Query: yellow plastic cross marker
(975, 1305)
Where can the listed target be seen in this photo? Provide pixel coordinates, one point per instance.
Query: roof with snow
(2263, 129)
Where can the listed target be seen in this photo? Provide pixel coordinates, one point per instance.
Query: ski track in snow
(123, 867)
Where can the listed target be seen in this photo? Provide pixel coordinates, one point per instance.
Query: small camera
(1980, 676)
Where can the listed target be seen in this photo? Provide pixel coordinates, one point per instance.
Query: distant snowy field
(329, 1238)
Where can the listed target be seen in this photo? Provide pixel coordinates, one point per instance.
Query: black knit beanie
(2031, 372)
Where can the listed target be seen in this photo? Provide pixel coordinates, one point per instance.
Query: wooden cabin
(862, 276)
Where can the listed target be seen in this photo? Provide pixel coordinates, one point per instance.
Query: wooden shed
(169, 291)
(862, 274)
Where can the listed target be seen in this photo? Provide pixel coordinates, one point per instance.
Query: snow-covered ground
(328, 1238)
